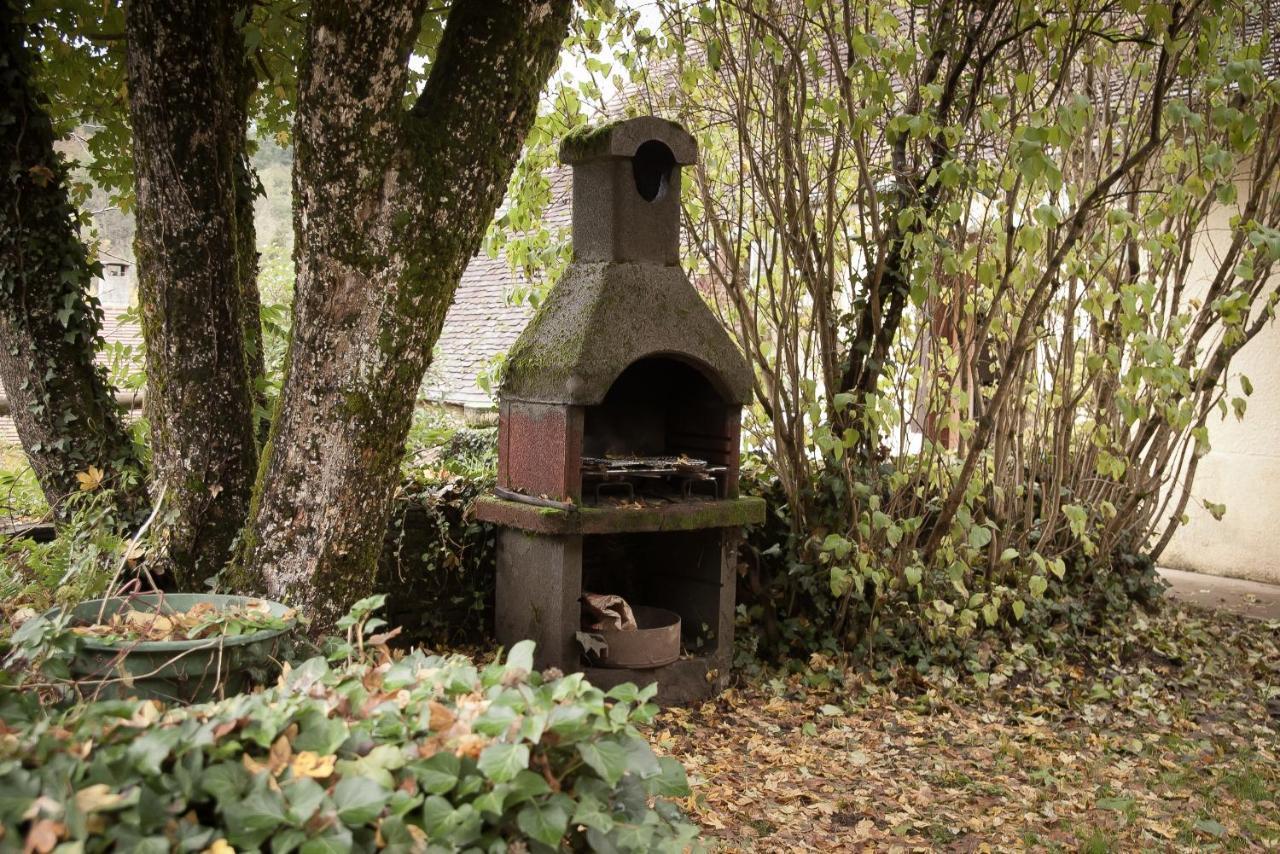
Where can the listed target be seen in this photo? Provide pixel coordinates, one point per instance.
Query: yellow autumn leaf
(90, 480)
(146, 714)
(308, 763)
(252, 765)
(97, 797)
(279, 756)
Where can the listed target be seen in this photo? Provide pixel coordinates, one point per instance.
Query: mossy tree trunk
(390, 204)
(187, 92)
(61, 403)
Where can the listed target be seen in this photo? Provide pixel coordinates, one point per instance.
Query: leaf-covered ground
(1163, 735)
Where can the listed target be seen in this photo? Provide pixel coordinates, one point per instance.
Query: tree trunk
(50, 326)
(389, 207)
(186, 103)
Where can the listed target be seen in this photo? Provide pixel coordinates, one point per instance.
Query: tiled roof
(117, 330)
(482, 322)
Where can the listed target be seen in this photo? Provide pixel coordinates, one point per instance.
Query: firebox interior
(660, 412)
(678, 571)
(656, 407)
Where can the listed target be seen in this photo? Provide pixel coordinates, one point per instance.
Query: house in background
(483, 322)
(1242, 468)
(116, 285)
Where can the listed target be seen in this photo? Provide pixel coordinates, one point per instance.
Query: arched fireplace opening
(663, 431)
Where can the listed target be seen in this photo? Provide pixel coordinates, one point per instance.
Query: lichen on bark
(390, 206)
(188, 87)
(61, 403)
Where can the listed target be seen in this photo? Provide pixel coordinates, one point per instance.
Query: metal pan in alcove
(655, 641)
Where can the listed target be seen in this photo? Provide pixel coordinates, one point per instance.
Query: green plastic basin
(182, 671)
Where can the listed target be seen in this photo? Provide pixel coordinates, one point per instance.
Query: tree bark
(389, 207)
(187, 93)
(61, 403)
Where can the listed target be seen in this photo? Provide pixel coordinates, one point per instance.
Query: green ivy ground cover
(419, 752)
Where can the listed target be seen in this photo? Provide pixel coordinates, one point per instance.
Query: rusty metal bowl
(655, 641)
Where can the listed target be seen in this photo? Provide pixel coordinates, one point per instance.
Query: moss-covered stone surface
(601, 317)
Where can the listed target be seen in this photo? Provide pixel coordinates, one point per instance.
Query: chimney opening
(651, 168)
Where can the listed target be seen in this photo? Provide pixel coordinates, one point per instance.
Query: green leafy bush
(825, 589)
(436, 552)
(377, 752)
(20, 493)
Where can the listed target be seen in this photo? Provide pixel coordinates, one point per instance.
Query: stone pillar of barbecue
(624, 300)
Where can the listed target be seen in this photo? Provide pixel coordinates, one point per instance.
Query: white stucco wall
(1242, 470)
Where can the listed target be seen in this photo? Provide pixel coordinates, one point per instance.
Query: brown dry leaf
(45, 805)
(41, 174)
(200, 610)
(442, 717)
(280, 754)
(471, 745)
(43, 836)
(149, 624)
(90, 479)
(146, 714)
(1041, 764)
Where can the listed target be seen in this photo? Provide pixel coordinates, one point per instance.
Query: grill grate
(619, 477)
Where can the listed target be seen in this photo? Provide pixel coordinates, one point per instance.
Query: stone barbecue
(618, 439)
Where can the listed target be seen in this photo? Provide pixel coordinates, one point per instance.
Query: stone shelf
(676, 516)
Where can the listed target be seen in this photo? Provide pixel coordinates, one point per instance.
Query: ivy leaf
(438, 774)
(591, 813)
(256, 817)
(501, 762)
(671, 780)
(640, 758)
(359, 800)
(225, 781)
(334, 842)
(608, 759)
(544, 822)
(521, 656)
(304, 796)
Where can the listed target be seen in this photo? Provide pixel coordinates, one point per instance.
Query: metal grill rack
(619, 477)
